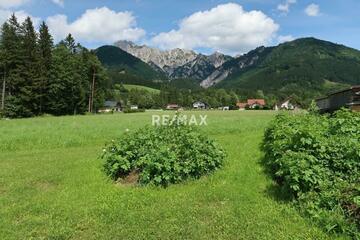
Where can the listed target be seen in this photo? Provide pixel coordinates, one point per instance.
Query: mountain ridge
(176, 63)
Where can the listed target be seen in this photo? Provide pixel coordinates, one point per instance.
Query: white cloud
(286, 38)
(97, 25)
(21, 16)
(59, 2)
(227, 28)
(12, 3)
(313, 10)
(285, 7)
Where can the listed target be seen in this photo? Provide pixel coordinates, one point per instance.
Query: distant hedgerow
(162, 155)
(316, 158)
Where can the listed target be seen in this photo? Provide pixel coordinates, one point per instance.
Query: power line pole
(3, 92)
(93, 90)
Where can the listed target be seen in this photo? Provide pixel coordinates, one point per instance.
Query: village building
(287, 104)
(172, 107)
(111, 106)
(200, 105)
(241, 106)
(347, 98)
(134, 107)
(251, 104)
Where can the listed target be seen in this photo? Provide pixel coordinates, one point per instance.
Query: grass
(152, 90)
(52, 186)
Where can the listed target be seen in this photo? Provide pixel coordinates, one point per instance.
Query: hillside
(305, 67)
(125, 68)
(138, 87)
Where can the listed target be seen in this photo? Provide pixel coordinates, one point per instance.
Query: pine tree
(11, 44)
(30, 91)
(46, 46)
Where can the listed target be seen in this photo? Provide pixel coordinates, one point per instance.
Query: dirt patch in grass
(44, 186)
(130, 180)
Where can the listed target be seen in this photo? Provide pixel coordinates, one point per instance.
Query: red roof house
(253, 103)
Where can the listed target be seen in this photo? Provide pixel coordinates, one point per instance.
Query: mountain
(236, 65)
(124, 67)
(176, 63)
(306, 67)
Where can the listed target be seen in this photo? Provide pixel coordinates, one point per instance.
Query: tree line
(39, 77)
(168, 94)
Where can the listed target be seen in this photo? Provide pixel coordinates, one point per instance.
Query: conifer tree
(46, 46)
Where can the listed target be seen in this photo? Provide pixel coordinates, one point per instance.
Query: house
(172, 107)
(241, 106)
(111, 106)
(256, 103)
(134, 107)
(251, 104)
(287, 104)
(226, 108)
(200, 105)
(348, 98)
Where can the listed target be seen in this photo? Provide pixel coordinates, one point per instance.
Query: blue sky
(204, 25)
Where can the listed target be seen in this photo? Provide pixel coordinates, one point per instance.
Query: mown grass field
(52, 186)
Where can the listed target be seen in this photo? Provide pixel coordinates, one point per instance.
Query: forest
(40, 77)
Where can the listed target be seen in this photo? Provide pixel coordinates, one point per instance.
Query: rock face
(231, 66)
(176, 63)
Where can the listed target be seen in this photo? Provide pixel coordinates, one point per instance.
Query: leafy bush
(316, 158)
(162, 155)
(128, 110)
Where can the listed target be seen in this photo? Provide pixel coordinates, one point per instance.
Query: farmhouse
(172, 107)
(252, 104)
(111, 106)
(134, 107)
(287, 104)
(200, 105)
(241, 106)
(348, 98)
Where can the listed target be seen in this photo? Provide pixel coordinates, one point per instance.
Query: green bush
(316, 158)
(162, 155)
(128, 110)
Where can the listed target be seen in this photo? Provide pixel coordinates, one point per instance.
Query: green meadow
(52, 185)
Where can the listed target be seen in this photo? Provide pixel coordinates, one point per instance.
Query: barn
(348, 98)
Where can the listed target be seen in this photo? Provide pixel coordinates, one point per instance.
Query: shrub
(316, 158)
(162, 155)
(128, 110)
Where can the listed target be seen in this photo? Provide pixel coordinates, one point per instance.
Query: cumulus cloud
(286, 38)
(285, 7)
(227, 28)
(59, 2)
(313, 10)
(12, 3)
(97, 25)
(21, 16)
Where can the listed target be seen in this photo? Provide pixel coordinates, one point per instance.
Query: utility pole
(3, 92)
(89, 107)
(93, 90)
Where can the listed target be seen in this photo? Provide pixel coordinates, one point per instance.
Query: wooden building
(348, 98)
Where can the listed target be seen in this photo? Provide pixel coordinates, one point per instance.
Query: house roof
(172, 105)
(110, 104)
(241, 105)
(356, 88)
(256, 101)
(199, 102)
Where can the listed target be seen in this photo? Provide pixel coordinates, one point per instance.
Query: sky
(232, 27)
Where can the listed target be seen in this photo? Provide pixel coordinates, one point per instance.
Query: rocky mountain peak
(176, 63)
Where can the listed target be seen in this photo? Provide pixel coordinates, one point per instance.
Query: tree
(13, 59)
(30, 91)
(46, 46)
